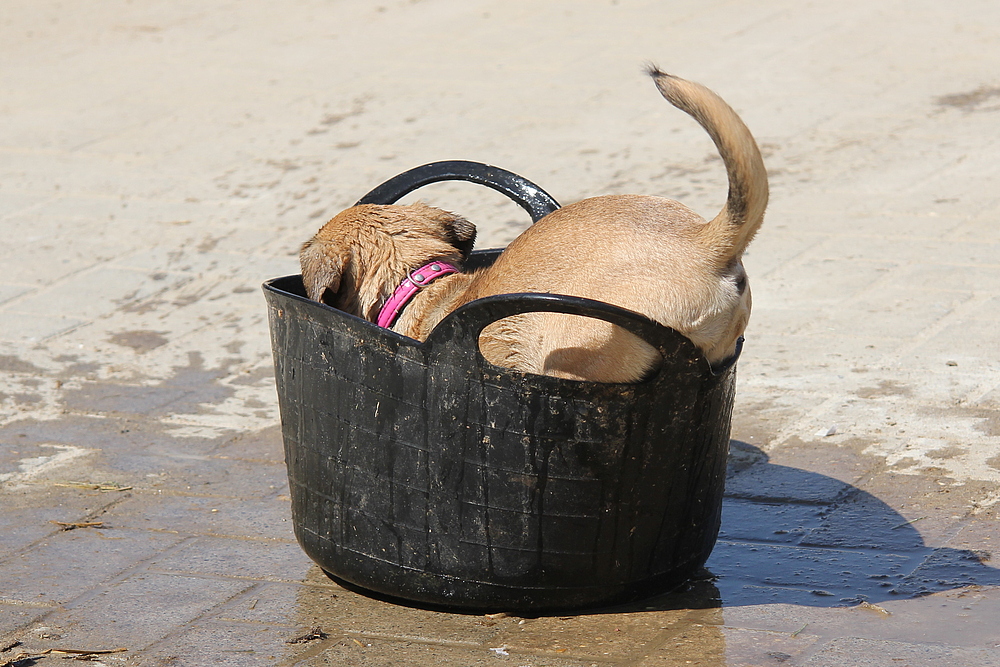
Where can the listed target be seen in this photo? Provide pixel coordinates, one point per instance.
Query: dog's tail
(734, 226)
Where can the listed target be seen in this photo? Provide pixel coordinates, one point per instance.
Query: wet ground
(194, 563)
(160, 161)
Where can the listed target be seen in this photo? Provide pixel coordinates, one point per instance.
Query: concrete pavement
(158, 161)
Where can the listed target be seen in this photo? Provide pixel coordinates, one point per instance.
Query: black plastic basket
(422, 471)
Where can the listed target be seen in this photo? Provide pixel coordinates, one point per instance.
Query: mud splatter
(973, 100)
(13, 364)
(885, 388)
(141, 340)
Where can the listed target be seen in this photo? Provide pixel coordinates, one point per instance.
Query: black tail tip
(654, 71)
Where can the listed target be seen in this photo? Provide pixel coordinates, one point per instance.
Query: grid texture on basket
(421, 471)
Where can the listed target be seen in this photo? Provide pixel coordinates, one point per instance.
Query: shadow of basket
(793, 536)
(422, 471)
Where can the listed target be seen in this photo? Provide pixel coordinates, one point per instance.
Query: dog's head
(356, 260)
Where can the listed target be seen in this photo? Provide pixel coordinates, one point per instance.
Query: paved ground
(161, 159)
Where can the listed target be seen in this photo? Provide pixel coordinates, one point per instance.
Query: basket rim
(279, 288)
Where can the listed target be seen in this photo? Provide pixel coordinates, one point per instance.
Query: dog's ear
(462, 235)
(321, 268)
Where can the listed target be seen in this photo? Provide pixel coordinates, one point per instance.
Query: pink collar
(407, 289)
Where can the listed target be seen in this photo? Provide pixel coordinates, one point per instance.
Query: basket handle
(537, 202)
(458, 333)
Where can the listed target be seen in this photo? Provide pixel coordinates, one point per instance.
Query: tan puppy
(647, 254)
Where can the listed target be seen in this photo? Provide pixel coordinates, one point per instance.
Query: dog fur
(644, 253)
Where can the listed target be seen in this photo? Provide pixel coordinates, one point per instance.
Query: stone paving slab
(158, 161)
